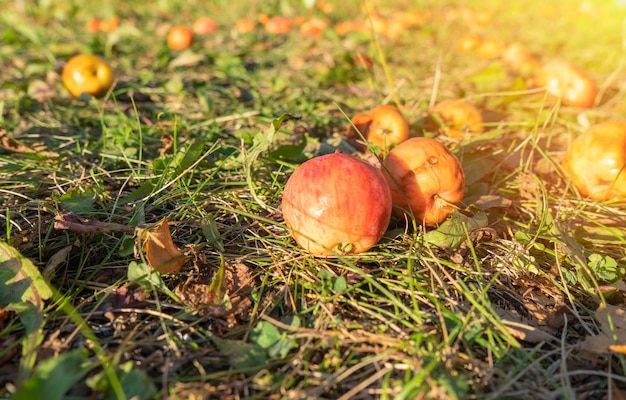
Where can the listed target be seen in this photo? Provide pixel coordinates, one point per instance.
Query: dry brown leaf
(615, 392)
(612, 338)
(523, 328)
(611, 316)
(16, 146)
(219, 295)
(159, 249)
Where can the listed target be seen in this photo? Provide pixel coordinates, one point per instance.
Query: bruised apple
(87, 73)
(425, 178)
(336, 204)
(383, 127)
(568, 82)
(456, 118)
(596, 159)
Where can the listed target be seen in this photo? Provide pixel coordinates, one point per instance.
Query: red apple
(425, 178)
(87, 73)
(336, 204)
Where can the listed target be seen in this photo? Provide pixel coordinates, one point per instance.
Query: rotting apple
(568, 82)
(87, 73)
(336, 204)
(595, 161)
(425, 178)
(179, 37)
(457, 118)
(383, 127)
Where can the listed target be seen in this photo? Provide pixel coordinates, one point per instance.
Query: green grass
(502, 313)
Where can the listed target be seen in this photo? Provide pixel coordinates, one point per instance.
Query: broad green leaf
(241, 354)
(455, 230)
(134, 382)
(54, 376)
(146, 276)
(23, 290)
(20, 280)
(265, 334)
(77, 200)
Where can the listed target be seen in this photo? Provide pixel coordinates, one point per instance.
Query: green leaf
(288, 151)
(265, 334)
(135, 383)
(77, 200)
(241, 354)
(211, 233)
(148, 277)
(261, 143)
(340, 285)
(455, 230)
(20, 280)
(605, 268)
(54, 376)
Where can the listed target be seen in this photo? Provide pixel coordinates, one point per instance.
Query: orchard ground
(519, 295)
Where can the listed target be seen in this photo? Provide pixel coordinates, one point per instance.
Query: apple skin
(569, 82)
(179, 37)
(425, 178)
(336, 204)
(458, 117)
(87, 73)
(596, 159)
(384, 126)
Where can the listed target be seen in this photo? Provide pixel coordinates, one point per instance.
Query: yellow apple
(87, 73)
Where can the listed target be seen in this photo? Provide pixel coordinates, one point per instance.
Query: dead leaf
(612, 338)
(611, 316)
(16, 146)
(167, 142)
(523, 328)
(159, 249)
(486, 202)
(615, 392)
(223, 293)
(57, 259)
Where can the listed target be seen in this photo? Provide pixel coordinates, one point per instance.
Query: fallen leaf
(54, 262)
(159, 249)
(486, 202)
(615, 392)
(522, 328)
(455, 230)
(226, 292)
(612, 338)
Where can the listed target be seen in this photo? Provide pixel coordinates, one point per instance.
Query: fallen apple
(383, 127)
(179, 37)
(336, 204)
(87, 73)
(425, 178)
(277, 25)
(457, 118)
(567, 82)
(518, 58)
(204, 25)
(595, 161)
